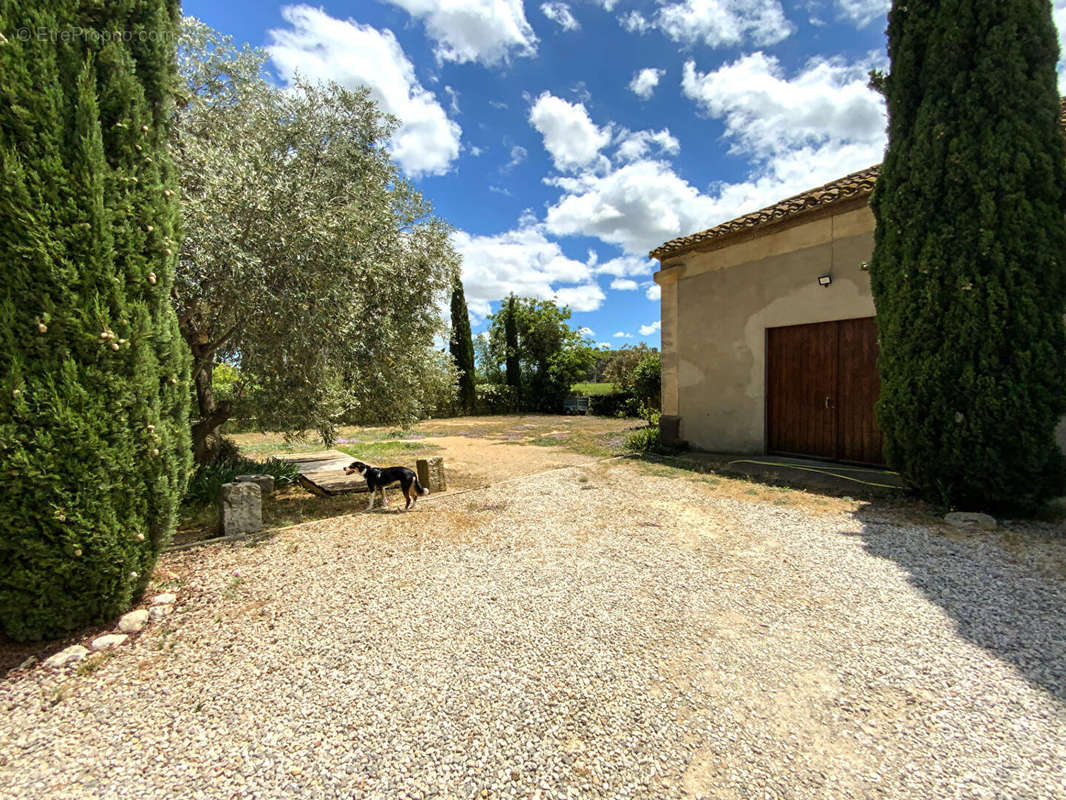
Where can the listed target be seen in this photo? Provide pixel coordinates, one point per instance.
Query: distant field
(593, 388)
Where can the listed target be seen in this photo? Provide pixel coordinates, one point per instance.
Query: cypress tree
(462, 347)
(968, 269)
(94, 393)
(510, 328)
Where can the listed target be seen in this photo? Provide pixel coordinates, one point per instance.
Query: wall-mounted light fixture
(825, 280)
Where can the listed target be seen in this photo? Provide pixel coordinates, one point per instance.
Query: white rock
(73, 653)
(108, 640)
(971, 520)
(158, 612)
(164, 599)
(134, 621)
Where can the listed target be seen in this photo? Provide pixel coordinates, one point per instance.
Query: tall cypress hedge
(969, 267)
(94, 442)
(462, 347)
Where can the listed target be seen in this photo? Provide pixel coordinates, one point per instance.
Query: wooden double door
(821, 387)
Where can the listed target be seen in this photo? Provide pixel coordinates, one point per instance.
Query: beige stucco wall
(717, 305)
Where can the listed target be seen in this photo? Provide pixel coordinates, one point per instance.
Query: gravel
(609, 631)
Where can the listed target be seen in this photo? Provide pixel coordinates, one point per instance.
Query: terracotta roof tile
(857, 184)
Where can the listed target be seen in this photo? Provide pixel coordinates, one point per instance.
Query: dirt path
(474, 462)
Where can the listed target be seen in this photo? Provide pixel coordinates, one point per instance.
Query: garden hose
(825, 471)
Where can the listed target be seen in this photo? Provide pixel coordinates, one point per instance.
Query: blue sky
(563, 141)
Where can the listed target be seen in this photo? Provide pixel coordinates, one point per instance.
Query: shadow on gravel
(808, 475)
(1005, 590)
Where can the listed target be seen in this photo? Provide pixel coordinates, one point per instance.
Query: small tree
(462, 347)
(94, 448)
(969, 265)
(542, 349)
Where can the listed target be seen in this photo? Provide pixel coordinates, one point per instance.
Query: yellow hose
(823, 471)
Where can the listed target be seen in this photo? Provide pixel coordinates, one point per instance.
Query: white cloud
(526, 262)
(653, 292)
(637, 206)
(581, 298)
(644, 82)
(863, 12)
(604, 345)
(586, 331)
(716, 23)
(623, 335)
(624, 285)
(560, 14)
(569, 135)
(766, 112)
(321, 48)
(476, 151)
(632, 146)
(486, 31)
(797, 132)
(626, 267)
(454, 95)
(635, 22)
(518, 155)
(648, 330)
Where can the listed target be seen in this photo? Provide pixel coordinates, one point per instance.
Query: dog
(378, 478)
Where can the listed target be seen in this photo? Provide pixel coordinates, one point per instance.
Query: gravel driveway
(605, 631)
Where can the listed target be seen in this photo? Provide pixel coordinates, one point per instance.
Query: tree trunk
(211, 414)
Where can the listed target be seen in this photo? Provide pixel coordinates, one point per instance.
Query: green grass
(589, 389)
(261, 448)
(374, 451)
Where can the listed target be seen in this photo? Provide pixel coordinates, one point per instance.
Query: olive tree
(308, 261)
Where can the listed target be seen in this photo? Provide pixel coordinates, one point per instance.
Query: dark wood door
(802, 381)
(821, 387)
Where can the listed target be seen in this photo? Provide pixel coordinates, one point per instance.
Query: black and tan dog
(377, 478)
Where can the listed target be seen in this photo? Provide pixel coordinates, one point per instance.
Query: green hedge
(94, 393)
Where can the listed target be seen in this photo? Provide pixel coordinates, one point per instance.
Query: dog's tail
(420, 488)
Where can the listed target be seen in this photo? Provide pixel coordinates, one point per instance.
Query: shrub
(496, 398)
(610, 405)
(648, 440)
(94, 436)
(206, 482)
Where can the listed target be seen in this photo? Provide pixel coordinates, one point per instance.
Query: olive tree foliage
(308, 262)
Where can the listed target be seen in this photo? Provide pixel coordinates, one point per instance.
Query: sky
(564, 140)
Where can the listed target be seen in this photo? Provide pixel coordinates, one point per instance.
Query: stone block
(431, 474)
(264, 482)
(242, 508)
